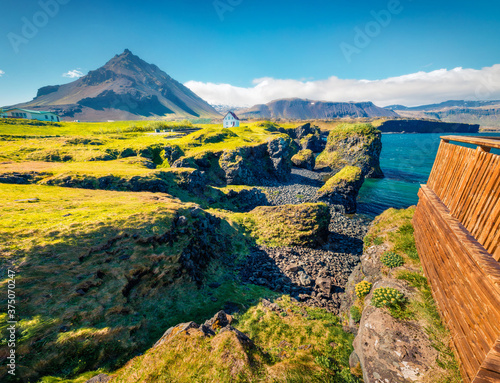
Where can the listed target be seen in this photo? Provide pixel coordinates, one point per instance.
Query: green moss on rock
(288, 225)
(304, 159)
(343, 188)
(102, 274)
(355, 145)
(349, 174)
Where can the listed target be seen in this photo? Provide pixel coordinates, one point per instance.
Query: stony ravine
(301, 187)
(316, 277)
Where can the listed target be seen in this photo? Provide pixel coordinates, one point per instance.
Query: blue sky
(253, 39)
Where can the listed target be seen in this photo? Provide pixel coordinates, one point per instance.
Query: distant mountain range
(484, 113)
(300, 109)
(223, 109)
(126, 88)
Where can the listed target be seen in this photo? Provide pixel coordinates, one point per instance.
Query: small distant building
(231, 120)
(30, 115)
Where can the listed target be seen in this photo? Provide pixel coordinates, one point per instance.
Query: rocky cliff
(343, 188)
(354, 145)
(245, 164)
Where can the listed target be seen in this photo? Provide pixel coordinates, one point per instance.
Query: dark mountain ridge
(484, 113)
(301, 109)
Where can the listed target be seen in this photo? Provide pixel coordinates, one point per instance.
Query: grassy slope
(40, 128)
(394, 228)
(48, 243)
(108, 141)
(294, 345)
(286, 225)
(96, 282)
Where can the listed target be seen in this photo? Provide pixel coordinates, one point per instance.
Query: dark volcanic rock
(247, 199)
(304, 159)
(101, 378)
(172, 153)
(21, 178)
(269, 267)
(312, 142)
(343, 188)
(358, 145)
(280, 152)
(245, 165)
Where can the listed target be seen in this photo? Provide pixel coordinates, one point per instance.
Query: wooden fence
(457, 230)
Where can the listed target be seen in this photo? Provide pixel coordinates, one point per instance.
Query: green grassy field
(20, 127)
(104, 267)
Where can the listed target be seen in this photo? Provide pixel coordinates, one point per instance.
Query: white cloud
(1, 73)
(412, 89)
(75, 73)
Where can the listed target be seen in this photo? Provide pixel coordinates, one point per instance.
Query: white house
(30, 115)
(231, 120)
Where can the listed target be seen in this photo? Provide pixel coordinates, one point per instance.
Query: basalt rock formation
(244, 165)
(355, 145)
(343, 188)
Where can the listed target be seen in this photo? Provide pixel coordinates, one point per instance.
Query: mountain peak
(126, 57)
(124, 88)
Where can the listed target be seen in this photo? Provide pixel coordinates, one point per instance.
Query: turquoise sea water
(406, 161)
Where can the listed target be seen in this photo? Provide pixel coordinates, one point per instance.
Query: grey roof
(232, 114)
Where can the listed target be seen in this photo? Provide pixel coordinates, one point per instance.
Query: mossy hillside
(131, 174)
(194, 358)
(243, 155)
(304, 344)
(295, 344)
(287, 225)
(80, 148)
(348, 175)
(220, 139)
(102, 274)
(394, 229)
(353, 144)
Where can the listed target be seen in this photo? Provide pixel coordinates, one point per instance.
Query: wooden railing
(457, 230)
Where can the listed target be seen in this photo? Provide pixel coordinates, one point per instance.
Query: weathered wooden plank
(492, 361)
(490, 142)
(457, 231)
(432, 263)
(465, 282)
(485, 206)
(471, 290)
